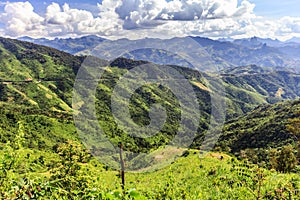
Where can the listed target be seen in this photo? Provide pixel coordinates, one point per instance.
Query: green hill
(41, 78)
(41, 156)
(36, 75)
(264, 127)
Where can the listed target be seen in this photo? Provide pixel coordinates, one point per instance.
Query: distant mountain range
(36, 83)
(269, 53)
(69, 45)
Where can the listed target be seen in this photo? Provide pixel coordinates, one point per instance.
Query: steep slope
(36, 85)
(36, 75)
(36, 129)
(39, 81)
(41, 78)
(264, 127)
(250, 85)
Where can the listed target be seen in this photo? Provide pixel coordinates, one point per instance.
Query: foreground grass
(189, 177)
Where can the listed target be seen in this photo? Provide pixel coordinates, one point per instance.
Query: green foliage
(264, 127)
(41, 158)
(251, 177)
(285, 159)
(30, 127)
(42, 79)
(184, 179)
(294, 128)
(255, 179)
(7, 164)
(65, 173)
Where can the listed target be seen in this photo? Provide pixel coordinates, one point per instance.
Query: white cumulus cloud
(135, 19)
(19, 18)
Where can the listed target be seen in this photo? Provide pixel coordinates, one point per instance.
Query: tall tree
(294, 128)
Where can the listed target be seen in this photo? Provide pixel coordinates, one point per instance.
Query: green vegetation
(58, 176)
(41, 156)
(264, 127)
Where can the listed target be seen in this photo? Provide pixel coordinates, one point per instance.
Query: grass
(189, 177)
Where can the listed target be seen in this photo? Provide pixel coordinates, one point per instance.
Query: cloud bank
(135, 19)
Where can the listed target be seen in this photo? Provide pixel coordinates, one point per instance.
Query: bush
(284, 160)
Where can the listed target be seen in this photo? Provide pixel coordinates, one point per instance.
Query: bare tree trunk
(298, 152)
(122, 163)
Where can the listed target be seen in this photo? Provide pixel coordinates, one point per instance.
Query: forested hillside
(41, 79)
(265, 127)
(42, 156)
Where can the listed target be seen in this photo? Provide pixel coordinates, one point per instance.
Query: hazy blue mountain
(294, 40)
(290, 47)
(246, 70)
(69, 45)
(256, 42)
(224, 54)
(242, 55)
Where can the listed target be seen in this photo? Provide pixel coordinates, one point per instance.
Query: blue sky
(268, 8)
(151, 18)
(40, 5)
(275, 8)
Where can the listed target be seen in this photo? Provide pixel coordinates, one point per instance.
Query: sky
(135, 19)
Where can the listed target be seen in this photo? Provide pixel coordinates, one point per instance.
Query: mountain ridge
(264, 127)
(225, 54)
(49, 76)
